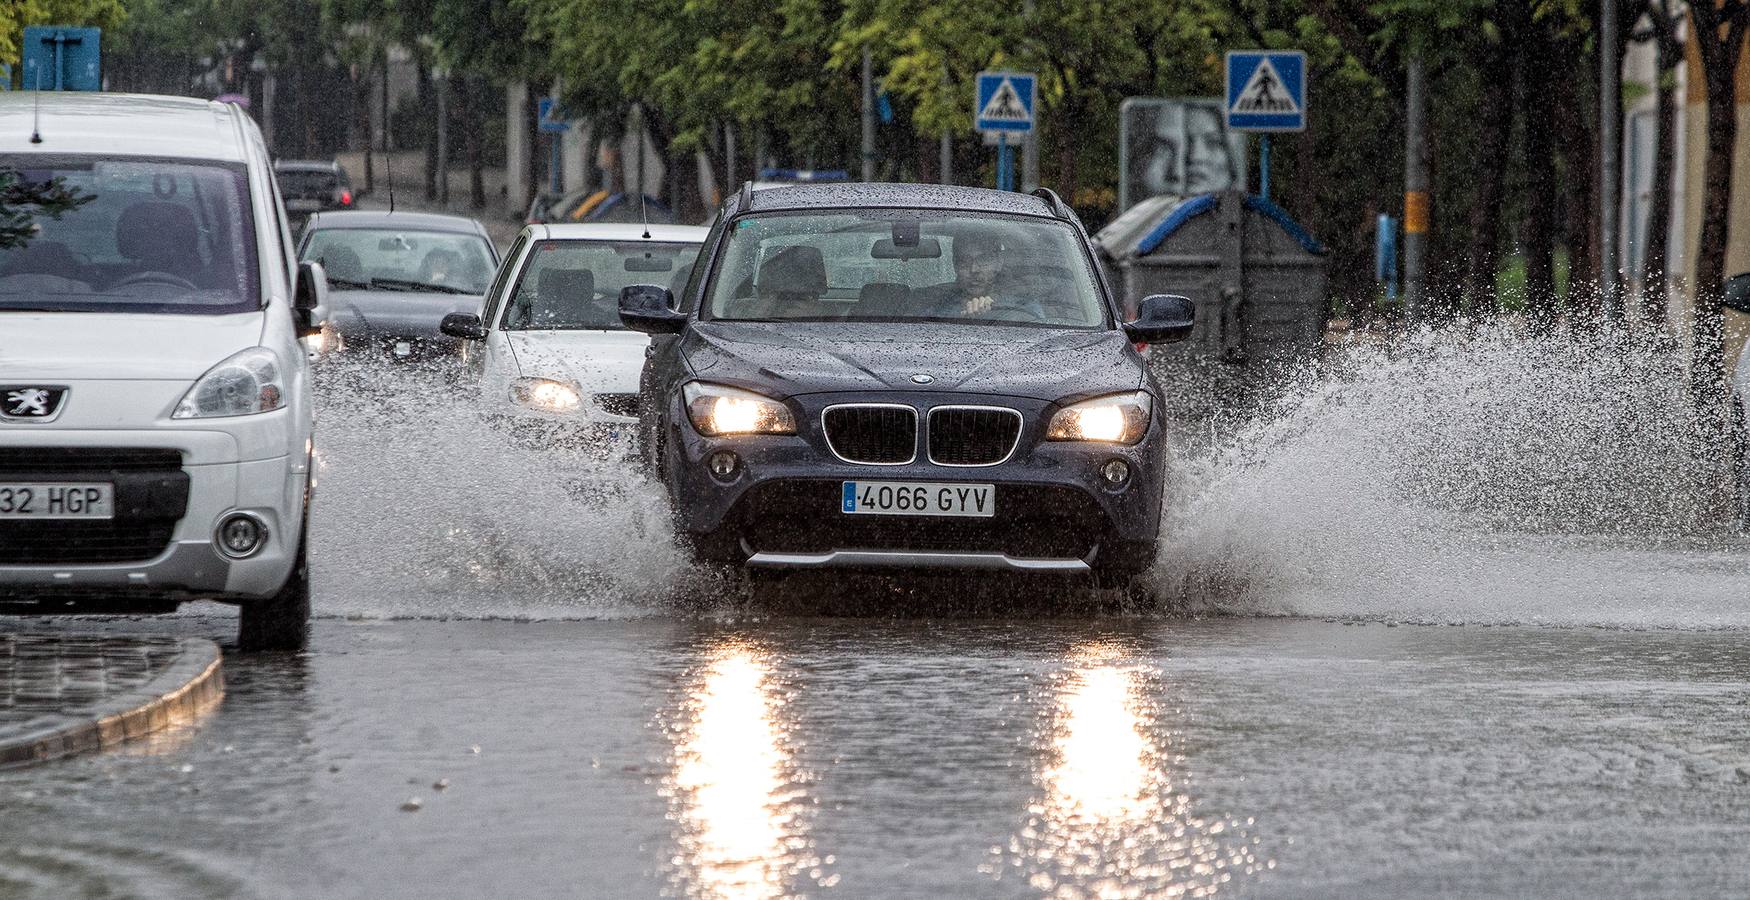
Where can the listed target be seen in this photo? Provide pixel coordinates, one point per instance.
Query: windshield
(125, 235)
(387, 259)
(906, 265)
(576, 284)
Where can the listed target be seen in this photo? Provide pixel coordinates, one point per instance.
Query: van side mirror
(310, 299)
(463, 325)
(1738, 292)
(650, 308)
(1162, 319)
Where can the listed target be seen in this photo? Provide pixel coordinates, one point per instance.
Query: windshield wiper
(407, 284)
(347, 283)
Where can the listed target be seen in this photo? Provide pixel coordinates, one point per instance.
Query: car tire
(281, 622)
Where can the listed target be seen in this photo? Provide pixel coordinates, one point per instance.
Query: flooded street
(1363, 675)
(1112, 757)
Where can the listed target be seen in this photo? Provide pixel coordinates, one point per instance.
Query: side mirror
(1162, 319)
(650, 308)
(310, 299)
(463, 325)
(1738, 292)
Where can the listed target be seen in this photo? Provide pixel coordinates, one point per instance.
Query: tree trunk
(1654, 278)
(472, 122)
(427, 131)
(1578, 146)
(1719, 59)
(1539, 227)
(361, 83)
(1482, 255)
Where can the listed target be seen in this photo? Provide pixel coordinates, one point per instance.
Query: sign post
(547, 114)
(1004, 108)
(1266, 93)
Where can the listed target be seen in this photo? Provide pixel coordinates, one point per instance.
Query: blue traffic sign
(1005, 102)
(547, 115)
(62, 59)
(1266, 90)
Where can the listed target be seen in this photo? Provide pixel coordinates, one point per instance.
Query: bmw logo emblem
(922, 379)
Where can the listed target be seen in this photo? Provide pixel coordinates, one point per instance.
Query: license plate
(56, 501)
(918, 498)
(303, 205)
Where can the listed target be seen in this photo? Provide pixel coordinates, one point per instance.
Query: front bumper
(1054, 511)
(177, 558)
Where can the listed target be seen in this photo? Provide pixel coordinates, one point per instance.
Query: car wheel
(281, 622)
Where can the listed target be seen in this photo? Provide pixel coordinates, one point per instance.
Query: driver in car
(974, 292)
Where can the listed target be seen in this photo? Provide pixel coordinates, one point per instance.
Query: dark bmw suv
(882, 376)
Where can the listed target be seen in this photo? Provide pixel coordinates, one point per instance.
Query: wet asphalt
(751, 754)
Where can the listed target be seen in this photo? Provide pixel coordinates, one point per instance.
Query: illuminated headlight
(546, 395)
(1113, 419)
(718, 409)
(243, 385)
(323, 342)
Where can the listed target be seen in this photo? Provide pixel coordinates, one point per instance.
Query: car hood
(121, 346)
(399, 313)
(601, 362)
(791, 358)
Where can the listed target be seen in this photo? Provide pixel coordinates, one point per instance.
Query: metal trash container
(1256, 277)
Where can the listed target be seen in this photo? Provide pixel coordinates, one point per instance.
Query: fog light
(1115, 472)
(723, 463)
(240, 536)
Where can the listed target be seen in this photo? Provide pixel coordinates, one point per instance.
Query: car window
(307, 183)
(906, 265)
(501, 279)
(359, 258)
(97, 234)
(575, 284)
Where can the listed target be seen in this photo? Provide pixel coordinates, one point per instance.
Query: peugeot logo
(31, 403)
(922, 379)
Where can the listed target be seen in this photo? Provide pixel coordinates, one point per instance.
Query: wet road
(1015, 757)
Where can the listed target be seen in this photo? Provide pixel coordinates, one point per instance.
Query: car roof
(685, 234)
(902, 196)
(406, 221)
(80, 122)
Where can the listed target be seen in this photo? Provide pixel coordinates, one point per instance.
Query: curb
(184, 689)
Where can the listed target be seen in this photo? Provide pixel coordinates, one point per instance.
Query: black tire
(281, 622)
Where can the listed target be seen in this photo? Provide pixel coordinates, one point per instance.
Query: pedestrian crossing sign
(1266, 90)
(1005, 102)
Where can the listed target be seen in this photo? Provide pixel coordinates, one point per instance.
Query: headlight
(546, 395)
(1114, 419)
(246, 384)
(717, 409)
(323, 342)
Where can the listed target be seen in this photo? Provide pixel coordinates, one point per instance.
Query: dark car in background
(905, 377)
(393, 276)
(310, 185)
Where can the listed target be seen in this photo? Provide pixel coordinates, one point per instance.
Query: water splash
(1466, 477)
(425, 509)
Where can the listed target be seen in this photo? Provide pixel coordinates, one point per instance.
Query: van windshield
(126, 235)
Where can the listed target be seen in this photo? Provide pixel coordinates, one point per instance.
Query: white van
(155, 403)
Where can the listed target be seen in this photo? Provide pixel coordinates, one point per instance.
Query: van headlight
(1114, 419)
(719, 409)
(243, 385)
(546, 395)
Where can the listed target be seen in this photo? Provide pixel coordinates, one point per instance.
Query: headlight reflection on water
(1109, 821)
(734, 794)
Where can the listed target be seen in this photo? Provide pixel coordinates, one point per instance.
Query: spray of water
(426, 509)
(1465, 477)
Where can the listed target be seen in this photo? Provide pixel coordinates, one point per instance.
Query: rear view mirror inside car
(396, 244)
(925, 248)
(648, 263)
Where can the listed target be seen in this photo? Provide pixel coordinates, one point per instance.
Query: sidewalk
(68, 693)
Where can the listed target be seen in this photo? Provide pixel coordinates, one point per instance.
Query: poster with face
(1177, 146)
